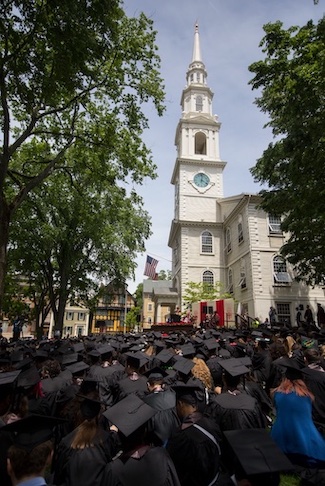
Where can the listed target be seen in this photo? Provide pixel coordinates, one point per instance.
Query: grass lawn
(289, 480)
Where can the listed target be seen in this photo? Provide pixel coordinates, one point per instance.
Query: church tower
(196, 231)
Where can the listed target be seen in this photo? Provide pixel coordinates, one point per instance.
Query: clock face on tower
(201, 179)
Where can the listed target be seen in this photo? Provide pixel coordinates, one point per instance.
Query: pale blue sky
(230, 33)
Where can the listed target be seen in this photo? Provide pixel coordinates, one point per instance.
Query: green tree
(202, 291)
(70, 236)
(73, 79)
(165, 275)
(291, 81)
(133, 317)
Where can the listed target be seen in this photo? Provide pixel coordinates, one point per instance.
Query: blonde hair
(289, 342)
(202, 372)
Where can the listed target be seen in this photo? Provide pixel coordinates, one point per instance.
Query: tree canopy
(202, 291)
(73, 79)
(291, 82)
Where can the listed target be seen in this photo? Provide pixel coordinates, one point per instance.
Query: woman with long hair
(294, 430)
(83, 454)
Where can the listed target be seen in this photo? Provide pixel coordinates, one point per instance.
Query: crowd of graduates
(202, 408)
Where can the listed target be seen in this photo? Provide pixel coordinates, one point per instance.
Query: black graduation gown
(261, 362)
(76, 467)
(105, 377)
(154, 467)
(195, 455)
(126, 386)
(232, 412)
(255, 390)
(216, 370)
(165, 421)
(315, 381)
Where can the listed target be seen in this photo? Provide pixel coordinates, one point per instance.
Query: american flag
(150, 268)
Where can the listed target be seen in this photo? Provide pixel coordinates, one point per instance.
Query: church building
(224, 239)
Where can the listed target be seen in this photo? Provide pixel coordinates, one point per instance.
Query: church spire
(196, 73)
(196, 48)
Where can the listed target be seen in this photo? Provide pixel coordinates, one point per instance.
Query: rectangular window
(69, 316)
(283, 312)
(81, 316)
(274, 225)
(149, 307)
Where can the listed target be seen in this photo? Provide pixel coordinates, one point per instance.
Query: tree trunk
(4, 238)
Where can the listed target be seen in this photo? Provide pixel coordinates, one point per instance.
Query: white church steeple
(198, 181)
(196, 73)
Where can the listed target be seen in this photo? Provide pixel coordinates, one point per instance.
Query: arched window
(200, 143)
(280, 272)
(240, 230)
(208, 277)
(228, 240)
(230, 287)
(206, 242)
(199, 103)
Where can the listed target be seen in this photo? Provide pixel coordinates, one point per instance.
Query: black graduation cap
(94, 353)
(129, 414)
(23, 364)
(105, 349)
(188, 392)
(78, 347)
(78, 367)
(256, 452)
(211, 344)
(257, 334)
(16, 356)
(234, 366)
(41, 354)
(292, 368)
(136, 360)
(159, 344)
(89, 407)
(165, 355)
(115, 344)
(32, 430)
(187, 349)
(7, 378)
(66, 394)
(245, 360)
(28, 378)
(155, 374)
(136, 347)
(183, 365)
(69, 358)
(224, 353)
